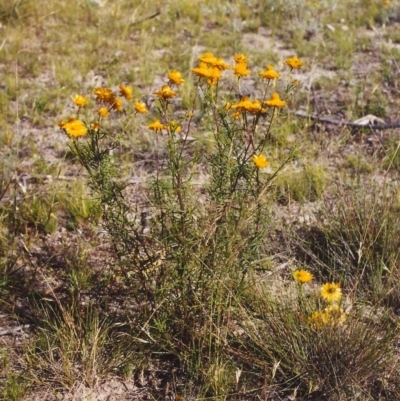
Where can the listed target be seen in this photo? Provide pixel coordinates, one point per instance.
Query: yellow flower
(126, 92)
(260, 161)
(95, 126)
(140, 107)
(318, 320)
(174, 126)
(241, 70)
(215, 74)
(75, 128)
(210, 60)
(302, 276)
(175, 77)
(202, 71)
(80, 100)
(247, 105)
(103, 112)
(240, 59)
(104, 95)
(294, 63)
(275, 101)
(220, 64)
(165, 93)
(207, 58)
(331, 292)
(236, 115)
(61, 123)
(336, 314)
(117, 105)
(156, 126)
(269, 73)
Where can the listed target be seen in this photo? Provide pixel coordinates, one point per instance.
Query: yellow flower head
(174, 126)
(175, 77)
(207, 58)
(165, 93)
(294, 63)
(331, 292)
(240, 70)
(318, 320)
(140, 107)
(104, 95)
(202, 71)
(75, 128)
(219, 63)
(275, 101)
(117, 105)
(80, 100)
(240, 59)
(61, 123)
(103, 112)
(336, 314)
(247, 105)
(260, 161)
(236, 115)
(156, 126)
(95, 126)
(269, 73)
(302, 276)
(211, 61)
(215, 74)
(126, 92)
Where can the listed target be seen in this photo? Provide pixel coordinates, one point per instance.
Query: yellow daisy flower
(175, 77)
(331, 292)
(240, 59)
(275, 101)
(260, 161)
(103, 112)
(202, 71)
(75, 128)
(126, 92)
(156, 126)
(104, 95)
(247, 105)
(165, 93)
(80, 100)
(211, 61)
(117, 105)
(318, 320)
(269, 73)
(95, 126)
(336, 314)
(140, 107)
(174, 126)
(294, 63)
(240, 70)
(302, 276)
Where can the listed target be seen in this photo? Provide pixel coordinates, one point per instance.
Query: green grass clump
(305, 185)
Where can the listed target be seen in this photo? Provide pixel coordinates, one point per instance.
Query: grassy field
(179, 225)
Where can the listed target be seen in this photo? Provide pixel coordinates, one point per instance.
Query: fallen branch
(372, 126)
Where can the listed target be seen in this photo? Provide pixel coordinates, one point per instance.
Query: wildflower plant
(192, 264)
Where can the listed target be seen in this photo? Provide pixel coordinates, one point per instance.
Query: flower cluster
(331, 293)
(107, 101)
(210, 68)
(240, 68)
